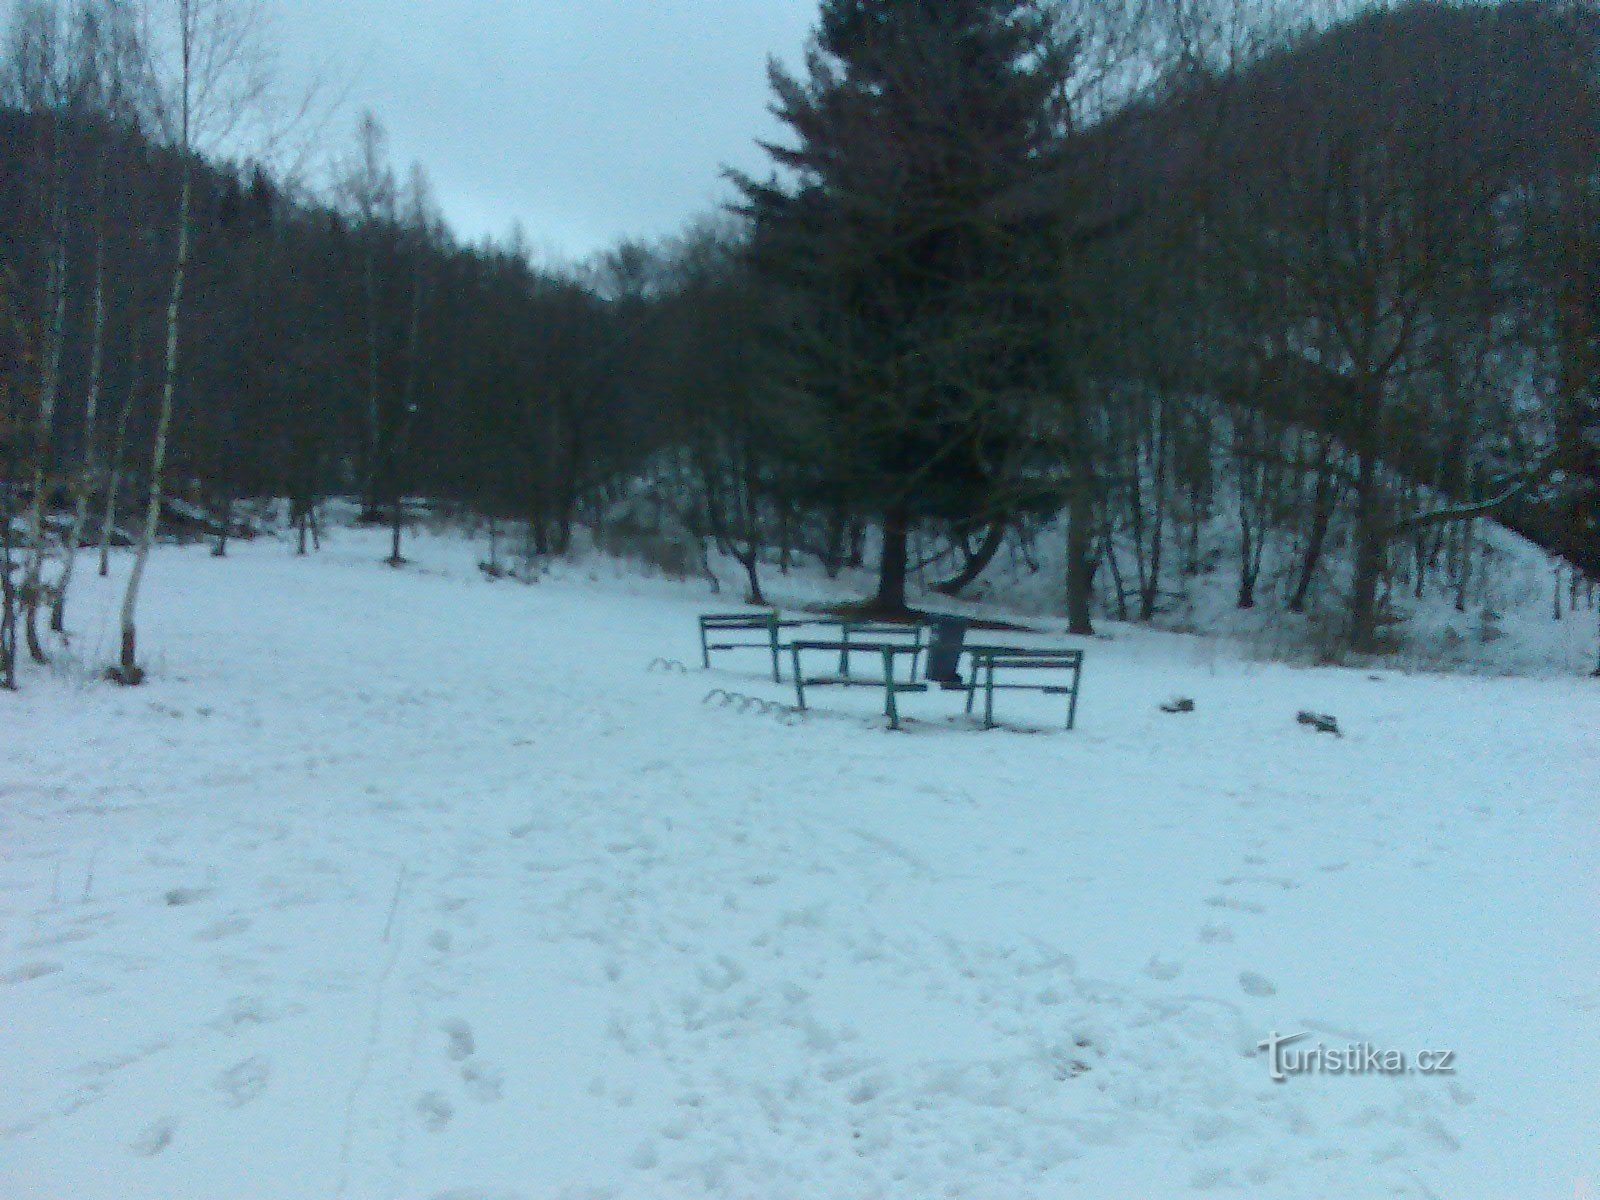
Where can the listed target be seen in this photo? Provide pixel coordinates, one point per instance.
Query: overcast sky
(585, 120)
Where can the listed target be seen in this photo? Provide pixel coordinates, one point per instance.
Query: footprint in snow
(1256, 985)
(232, 927)
(1163, 969)
(435, 1111)
(28, 972)
(182, 897)
(245, 1082)
(1287, 885)
(645, 1158)
(155, 1139)
(1210, 1179)
(243, 1011)
(484, 1083)
(462, 1044)
(1214, 935)
(1228, 902)
(59, 939)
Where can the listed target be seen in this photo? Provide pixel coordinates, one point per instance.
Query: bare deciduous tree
(208, 68)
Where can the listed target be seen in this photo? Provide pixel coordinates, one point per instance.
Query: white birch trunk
(89, 468)
(129, 671)
(49, 389)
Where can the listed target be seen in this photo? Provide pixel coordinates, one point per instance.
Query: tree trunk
(128, 671)
(220, 550)
(1080, 548)
(1108, 555)
(91, 410)
(785, 535)
(833, 548)
(8, 595)
(751, 563)
(1370, 544)
(369, 504)
(1464, 575)
(891, 598)
(1316, 539)
(401, 439)
(977, 562)
(118, 447)
(1248, 563)
(49, 389)
(397, 518)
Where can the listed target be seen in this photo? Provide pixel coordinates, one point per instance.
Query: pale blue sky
(586, 120)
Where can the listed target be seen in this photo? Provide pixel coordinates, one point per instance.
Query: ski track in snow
(404, 885)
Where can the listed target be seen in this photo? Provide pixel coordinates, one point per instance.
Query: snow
(1506, 628)
(408, 884)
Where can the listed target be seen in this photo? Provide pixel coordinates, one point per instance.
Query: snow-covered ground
(407, 884)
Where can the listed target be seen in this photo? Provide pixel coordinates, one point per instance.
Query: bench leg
(705, 650)
(1072, 703)
(988, 698)
(799, 681)
(891, 706)
(777, 669)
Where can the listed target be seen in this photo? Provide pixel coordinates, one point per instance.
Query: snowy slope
(1512, 580)
(413, 885)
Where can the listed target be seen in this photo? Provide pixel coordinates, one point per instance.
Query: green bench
(992, 668)
(722, 631)
(732, 631)
(887, 653)
(869, 636)
(991, 665)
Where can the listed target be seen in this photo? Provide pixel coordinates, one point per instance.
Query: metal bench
(991, 661)
(887, 652)
(875, 635)
(727, 627)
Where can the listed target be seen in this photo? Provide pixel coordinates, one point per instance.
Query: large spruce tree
(912, 239)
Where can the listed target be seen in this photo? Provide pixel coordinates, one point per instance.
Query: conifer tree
(911, 236)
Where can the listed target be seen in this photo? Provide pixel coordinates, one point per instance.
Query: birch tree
(106, 56)
(366, 188)
(15, 431)
(40, 84)
(420, 229)
(208, 67)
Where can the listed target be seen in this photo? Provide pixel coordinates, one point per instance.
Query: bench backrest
(738, 620)
(1063, 658)
(880, 630)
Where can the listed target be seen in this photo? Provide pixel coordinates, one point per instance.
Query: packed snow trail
(403, 884)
